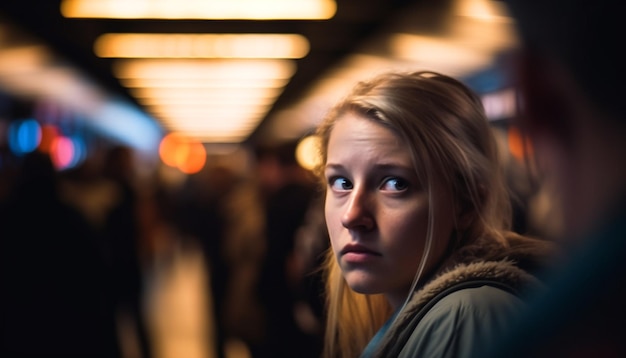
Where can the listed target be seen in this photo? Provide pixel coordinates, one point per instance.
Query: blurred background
(155, 192)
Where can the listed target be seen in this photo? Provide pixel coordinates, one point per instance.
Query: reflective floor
(175, 307)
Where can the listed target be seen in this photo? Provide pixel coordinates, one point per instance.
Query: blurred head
(570, 72)
(583, 38)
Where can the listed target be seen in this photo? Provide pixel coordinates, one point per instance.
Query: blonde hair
(444, 126)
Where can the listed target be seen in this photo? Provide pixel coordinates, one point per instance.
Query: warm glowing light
(307, 152)
(485, 10)
(218, 108)
(188, 83)
(519, 145)
(182, 152)
(215, 138)
(202, 46)
(191, 157)
(167, 148)
(442, 54)
(209, 111)
(215, 70)
(201, 9)
(211, 95)
(48, 135)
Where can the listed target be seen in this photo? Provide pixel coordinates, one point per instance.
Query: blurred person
(203, 217)
(244, 249)
(286, 193)
(305, 274)
(422, 260)
(570, 73)
(122, 242)
(55, 298)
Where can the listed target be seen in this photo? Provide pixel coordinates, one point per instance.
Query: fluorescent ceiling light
(211, 114)
(204, 69)
(206, 98)
(191, 101)
(215, 138)
(202, 46)
(486, 10)
(201, 9)
(202, 83)
(210, 95)
(439, 54)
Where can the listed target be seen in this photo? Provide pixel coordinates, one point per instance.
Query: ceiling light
(202, 46)
(202, 83)
(213, 69)
(201, 9)
(211, 100)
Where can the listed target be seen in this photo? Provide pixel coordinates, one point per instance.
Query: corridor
(176, 312)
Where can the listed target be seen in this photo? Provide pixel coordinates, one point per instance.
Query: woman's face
(376, 210)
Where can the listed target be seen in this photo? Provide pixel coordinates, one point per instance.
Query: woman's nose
(358, 211)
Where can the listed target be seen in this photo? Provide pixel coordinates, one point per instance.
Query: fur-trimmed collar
(486, 259)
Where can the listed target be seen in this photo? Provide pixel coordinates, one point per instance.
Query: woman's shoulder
(461, 322)
(480, 301)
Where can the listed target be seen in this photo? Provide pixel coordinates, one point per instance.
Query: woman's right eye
(339, 184)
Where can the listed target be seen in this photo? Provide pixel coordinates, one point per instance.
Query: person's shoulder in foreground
(570, 72)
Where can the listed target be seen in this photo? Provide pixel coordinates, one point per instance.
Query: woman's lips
(358, 254)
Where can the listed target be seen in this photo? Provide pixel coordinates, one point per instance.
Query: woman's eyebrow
(333, 166)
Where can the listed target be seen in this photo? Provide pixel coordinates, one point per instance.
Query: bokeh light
(307, 152)
(519, 145)
(24, 136)
(62, 152)
(48, 134)
(186, 154)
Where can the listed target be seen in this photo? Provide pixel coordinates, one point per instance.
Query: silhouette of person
(201, 218)
(54, 299)
(122, 244)
(570, 74)
(287, 192)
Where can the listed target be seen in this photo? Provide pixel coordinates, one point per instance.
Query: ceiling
(362, 37)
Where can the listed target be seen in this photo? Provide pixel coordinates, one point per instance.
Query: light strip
(187, 101)
(204, 69)
(201, 107)
(213, 114)
(201, 9)
(183, 83)
(213, 138)
(220, 126)
(202, 46)
(208, 95)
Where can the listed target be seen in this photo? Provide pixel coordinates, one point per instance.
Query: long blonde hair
(444, 126)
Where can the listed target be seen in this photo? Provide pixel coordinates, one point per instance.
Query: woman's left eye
(395, 184)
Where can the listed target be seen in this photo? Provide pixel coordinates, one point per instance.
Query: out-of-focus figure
(55, 296)
(122, 245)
(570, 73)
(286, 190)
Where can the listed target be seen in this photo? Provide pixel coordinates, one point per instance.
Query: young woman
(422, 260)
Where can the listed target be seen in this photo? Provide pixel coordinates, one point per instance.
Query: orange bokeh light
(186, 154)
(519, 145)
(48, 134)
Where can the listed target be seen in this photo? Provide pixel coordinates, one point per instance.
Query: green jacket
(469, 303)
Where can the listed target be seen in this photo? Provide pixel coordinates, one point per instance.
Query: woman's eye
(395, 184)
(339, 183)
